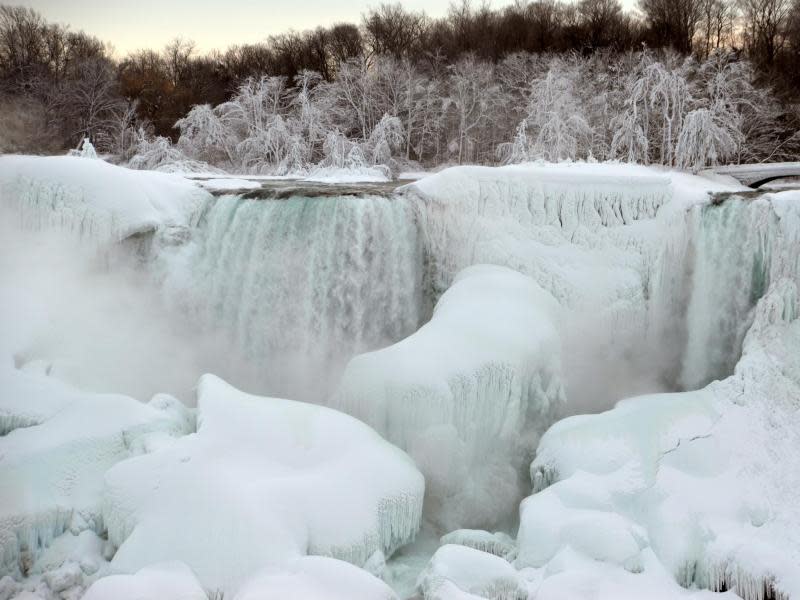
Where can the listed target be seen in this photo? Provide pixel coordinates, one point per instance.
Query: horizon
(124, 25)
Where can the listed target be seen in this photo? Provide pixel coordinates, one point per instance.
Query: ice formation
(467, 394)
(57, 444)
(94, 198)
(584, 283)
(262, 482)
(302, 284)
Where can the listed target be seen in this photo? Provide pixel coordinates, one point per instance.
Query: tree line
(678, 82)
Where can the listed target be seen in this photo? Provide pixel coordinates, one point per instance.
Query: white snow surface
(467, 393)
(94, 198)
(263, 481)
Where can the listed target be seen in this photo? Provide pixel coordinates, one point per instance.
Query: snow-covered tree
(555, 128)
(707, 137)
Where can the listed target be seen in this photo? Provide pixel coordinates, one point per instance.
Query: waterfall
(300, 285)
(739, 247)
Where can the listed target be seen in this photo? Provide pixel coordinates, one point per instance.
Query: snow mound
(173, 581)
(94, 198)
(57, 444)
(665, 474)
(498, 543)
(461, 573)
(262, 482)
(315, 578)
(467, 393)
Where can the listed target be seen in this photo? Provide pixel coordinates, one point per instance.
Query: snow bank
(262, 482)
(467, 393)
(93, 197)
(57, 444)
(315, 578)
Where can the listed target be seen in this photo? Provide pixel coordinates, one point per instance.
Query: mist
(98, 319)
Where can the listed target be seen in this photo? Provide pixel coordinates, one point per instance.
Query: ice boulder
(263, 481)
(467, 394)
(315, 578)
(173, 581)
(94, 198)
(57, 443)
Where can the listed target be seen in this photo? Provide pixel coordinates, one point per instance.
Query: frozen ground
(595, 363)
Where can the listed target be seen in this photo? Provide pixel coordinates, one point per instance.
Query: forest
(684, 83)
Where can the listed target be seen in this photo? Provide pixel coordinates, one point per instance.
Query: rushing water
(302, 284)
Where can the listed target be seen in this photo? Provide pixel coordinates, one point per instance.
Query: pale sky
(134, 24)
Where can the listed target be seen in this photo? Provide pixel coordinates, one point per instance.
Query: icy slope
(94, 198)
(56, 445)
(467, 393)
(262, 482)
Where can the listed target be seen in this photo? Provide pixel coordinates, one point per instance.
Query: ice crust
(263, 481)
(466, 397)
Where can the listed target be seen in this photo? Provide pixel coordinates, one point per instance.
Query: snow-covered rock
(57, 444)
(94, 198)
(466, 394)
(498, 543)
(315, 578)
(163, 581)
(458, 572)
(262, 482)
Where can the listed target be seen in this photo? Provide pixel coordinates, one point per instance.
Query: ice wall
(302, 284)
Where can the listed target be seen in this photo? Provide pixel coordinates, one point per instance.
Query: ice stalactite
(300, 285)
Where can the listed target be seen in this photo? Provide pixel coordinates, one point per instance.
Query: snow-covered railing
(756, 175)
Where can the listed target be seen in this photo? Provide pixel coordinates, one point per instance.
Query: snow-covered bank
(467, 394)
(92, 197)
(262, 482)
